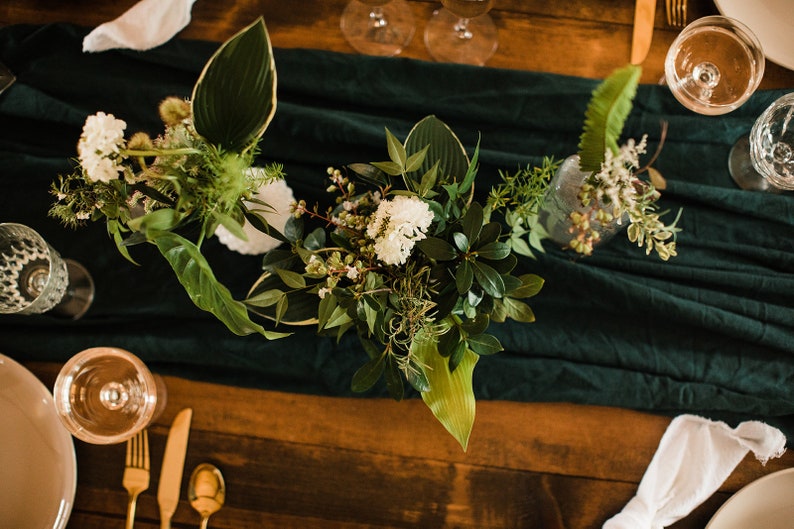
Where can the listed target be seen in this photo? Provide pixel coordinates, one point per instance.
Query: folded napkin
(145, 25)
(694, 458)
(278, 195)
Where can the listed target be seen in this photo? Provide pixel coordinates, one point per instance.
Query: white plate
(38, 468)
(767, 502)
(772, 21)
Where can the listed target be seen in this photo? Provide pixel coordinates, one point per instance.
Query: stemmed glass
(35, 279)
(6, 77)
(378, 27)
(764, 160)
(105, 395)
(714, 65)
(462, 32)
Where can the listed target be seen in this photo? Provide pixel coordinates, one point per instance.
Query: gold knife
(173, 466)
(644, 14)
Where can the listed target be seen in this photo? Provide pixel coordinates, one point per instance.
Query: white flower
(279, 196)
(397, 225)
(98, 148)
(323, 292)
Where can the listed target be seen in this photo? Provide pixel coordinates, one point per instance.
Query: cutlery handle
(165, 520)
(131, 510)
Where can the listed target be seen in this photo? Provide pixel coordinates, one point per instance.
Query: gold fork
(136, 471)
(676, 13)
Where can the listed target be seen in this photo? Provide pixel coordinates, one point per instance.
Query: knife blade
(644, 14)
(173, 466)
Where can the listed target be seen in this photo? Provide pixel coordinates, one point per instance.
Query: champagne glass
(462, 32)
(35, 279)
(105, 395)
(764, 160)
(378, 27)
(714, 65)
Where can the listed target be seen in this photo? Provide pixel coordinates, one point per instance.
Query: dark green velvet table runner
(710, 332)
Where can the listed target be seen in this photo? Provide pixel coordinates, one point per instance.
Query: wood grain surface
(304, 462)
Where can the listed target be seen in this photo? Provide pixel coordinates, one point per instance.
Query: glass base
(742, 171)
(445, 44)
(384, 36)
(79, 294)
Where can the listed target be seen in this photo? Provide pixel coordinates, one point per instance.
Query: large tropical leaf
(606, 113)
(451, 395)
(235, 97)
(195, 275)
(445, 148)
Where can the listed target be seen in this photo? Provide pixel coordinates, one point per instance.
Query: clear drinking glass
(35, 279)
(764, 160)
(462, 32)
(6, 77)
(714, 65)
(105, 395)
(378, 27)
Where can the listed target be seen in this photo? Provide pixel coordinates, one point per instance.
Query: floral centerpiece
(405, 255)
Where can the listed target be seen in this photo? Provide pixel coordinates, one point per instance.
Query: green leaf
(464, 277)
(530, 286)
(451, 395)
(437, 249)
(369, 173)
(293, 230)
(265, 299)
(518, 310)
(489, 279)
(158, 220)
(291, 279)
(415, 160)
(461, 241)
(367, 375)
(195, 275)
(472, 222)
(397, 152)
(606, 113)
(234, 227)
(471, 171)
(390, 168)
(494, 250)
(484, 344)
(444, 147)
(234, 98)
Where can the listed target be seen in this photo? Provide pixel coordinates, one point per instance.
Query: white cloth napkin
(278, 195)
(695, 456)
(145, 25)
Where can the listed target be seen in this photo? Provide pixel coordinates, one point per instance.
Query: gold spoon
(206, 491)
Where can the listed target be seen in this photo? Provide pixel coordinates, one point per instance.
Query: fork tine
(145, 449)
(128, 460)
(669, 9)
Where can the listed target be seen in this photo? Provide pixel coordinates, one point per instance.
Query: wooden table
(297, 461)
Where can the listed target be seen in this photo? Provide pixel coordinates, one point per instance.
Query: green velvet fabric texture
(709, 332)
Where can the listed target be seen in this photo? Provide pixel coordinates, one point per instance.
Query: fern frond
(606, 113)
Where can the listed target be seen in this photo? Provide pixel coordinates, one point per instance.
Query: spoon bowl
(206, 491)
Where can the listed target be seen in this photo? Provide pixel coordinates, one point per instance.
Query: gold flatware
(676, 13)
(644, 13)
(206, 491)
(136, 471)
(173, 465)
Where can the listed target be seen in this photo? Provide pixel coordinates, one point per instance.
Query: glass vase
(562, 199)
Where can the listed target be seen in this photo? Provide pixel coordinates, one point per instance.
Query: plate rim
(733, 9)
(61, 521)
(768, 477)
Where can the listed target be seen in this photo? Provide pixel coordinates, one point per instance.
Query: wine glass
(714, 65)
(6, 77)
(105, 395)
(462, 32)
(378, 27)
(764, 160)
(35, 279)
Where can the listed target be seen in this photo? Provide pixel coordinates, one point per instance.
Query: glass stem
(462, 29)
(377, 18)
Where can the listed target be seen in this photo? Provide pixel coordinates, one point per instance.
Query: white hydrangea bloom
(99, 145)
(279, 196)
(397, 225)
